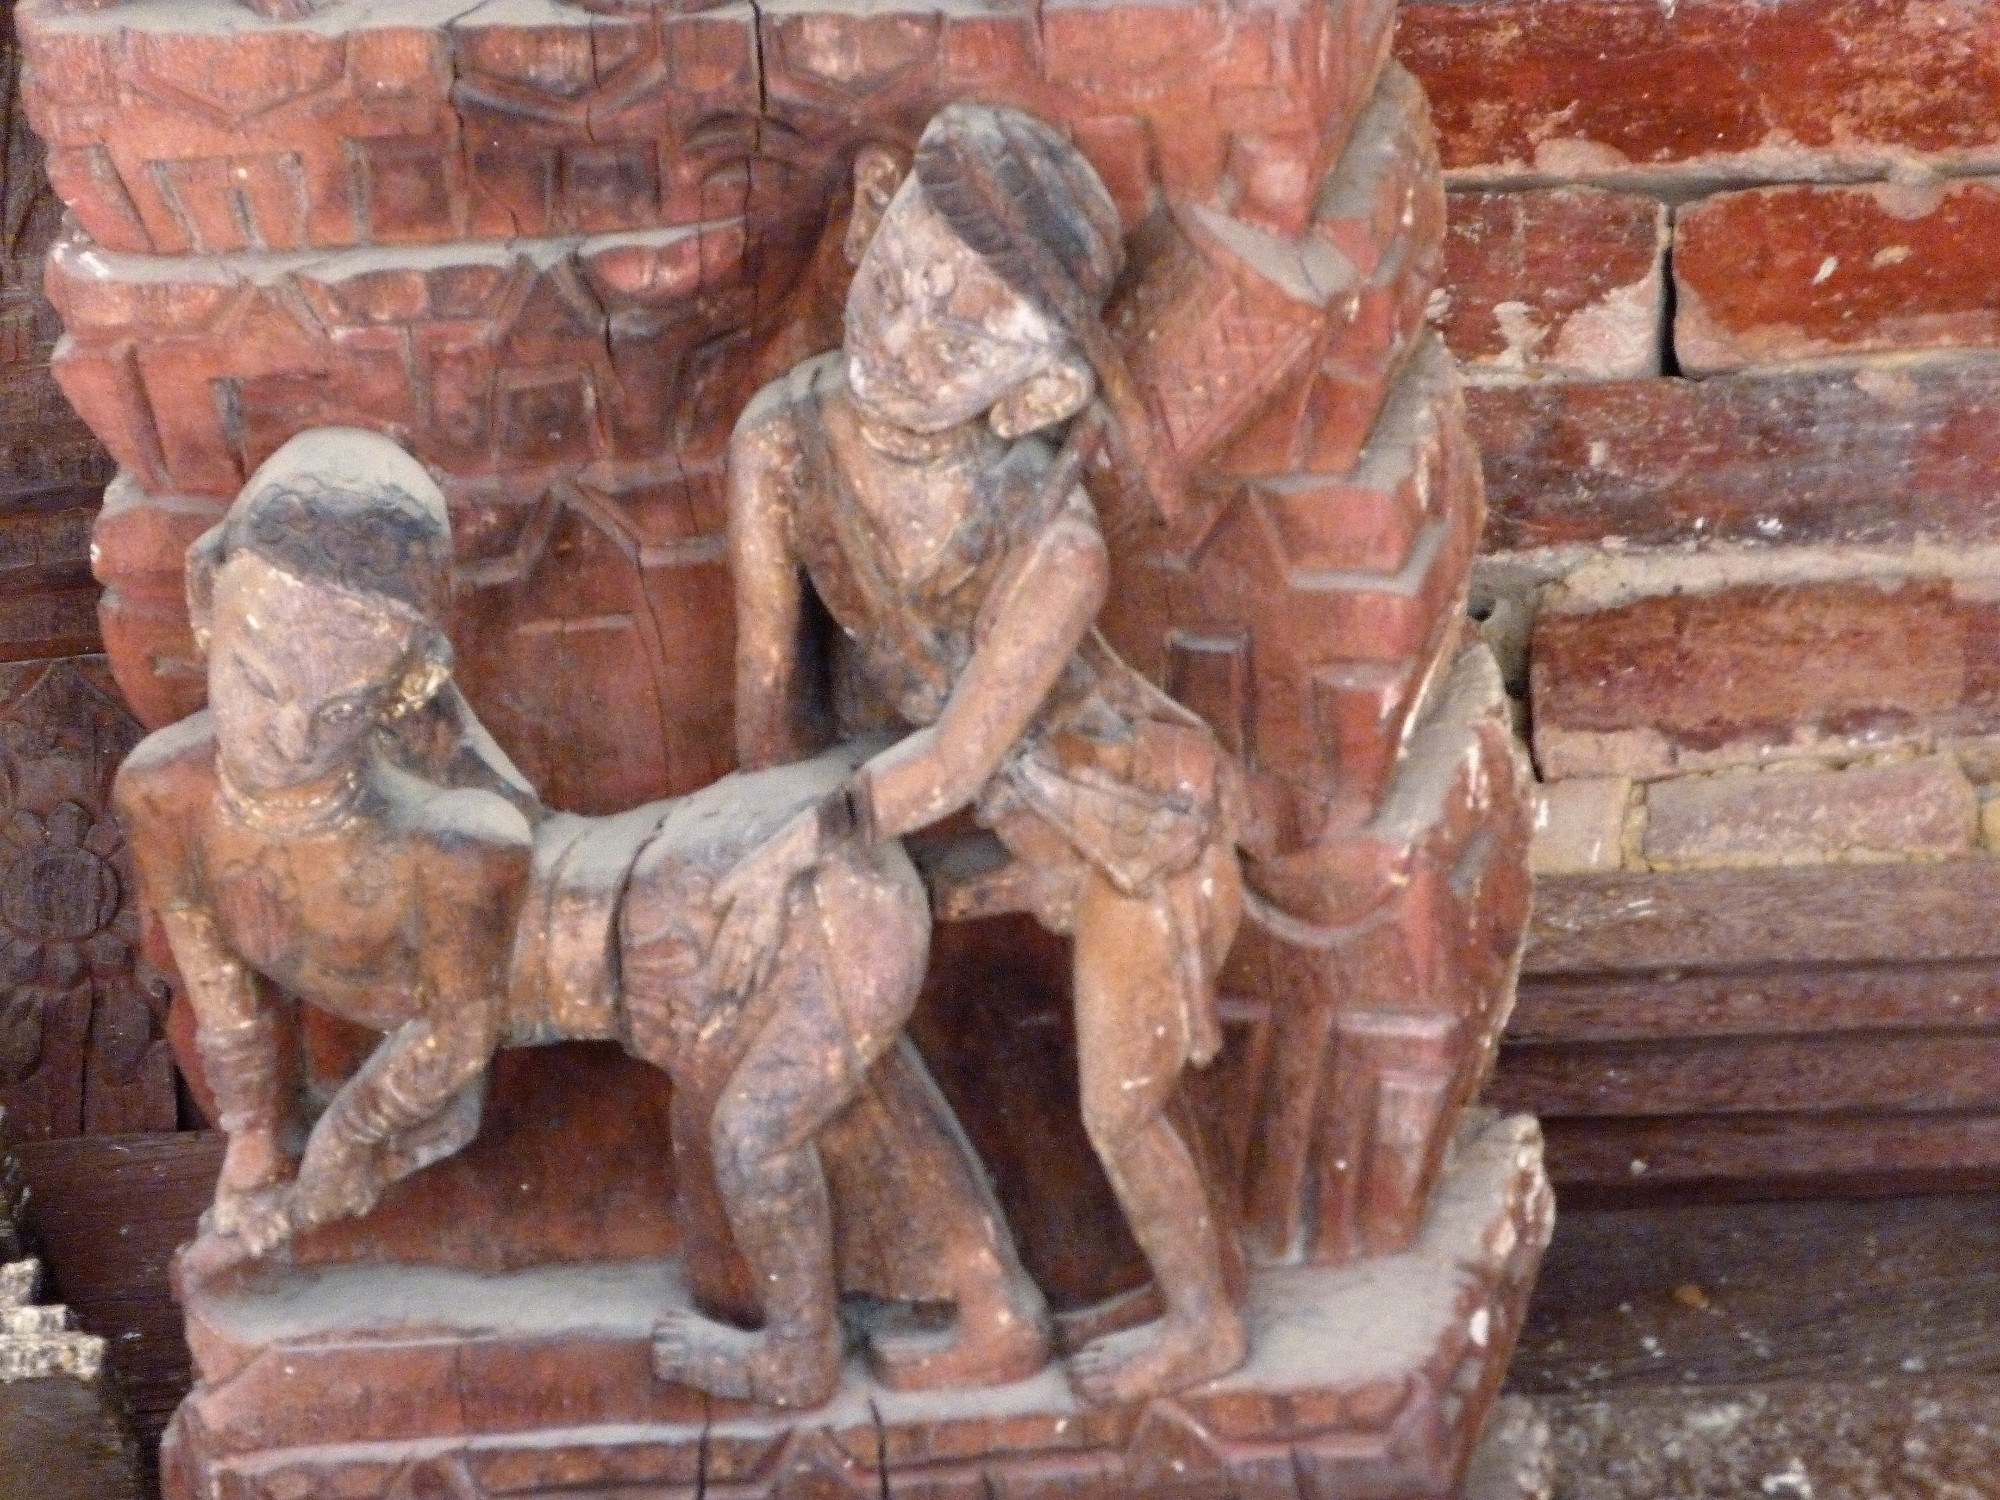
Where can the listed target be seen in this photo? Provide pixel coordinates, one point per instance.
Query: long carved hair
(1025, 199)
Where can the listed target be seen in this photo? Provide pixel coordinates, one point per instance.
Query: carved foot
(1077, 1330)
(984, 1347)
(724, 1361)
(1158, 1359)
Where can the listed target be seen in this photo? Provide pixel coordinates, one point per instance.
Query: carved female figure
(336, 824)
(904, 481)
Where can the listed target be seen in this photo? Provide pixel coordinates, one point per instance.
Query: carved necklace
(917, 447)
(295, 814)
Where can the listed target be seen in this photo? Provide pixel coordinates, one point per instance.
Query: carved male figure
(905, 481)
(337, 824)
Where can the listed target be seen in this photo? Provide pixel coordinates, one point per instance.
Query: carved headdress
(1025, 199)
(343, 507)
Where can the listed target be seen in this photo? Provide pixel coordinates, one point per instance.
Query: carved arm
(1038, 616)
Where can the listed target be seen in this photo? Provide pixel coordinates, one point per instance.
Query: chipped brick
(1566, 282)
(1580, 825)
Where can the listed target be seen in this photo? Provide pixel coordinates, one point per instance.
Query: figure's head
(972, 295)
(320, 601)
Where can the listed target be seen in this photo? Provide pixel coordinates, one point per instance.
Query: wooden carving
(1049, 516)
(337, 825)
(902, 479)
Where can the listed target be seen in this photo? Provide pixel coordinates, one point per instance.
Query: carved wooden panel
(553, 252)
(81, 1031)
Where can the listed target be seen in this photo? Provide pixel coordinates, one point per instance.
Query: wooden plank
(1597, 1160)
(1918, 1071)
(1707, 1294)
(108, 1213)
(1877, 998)
(1734, 919)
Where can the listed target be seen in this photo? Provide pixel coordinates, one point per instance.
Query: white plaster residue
(1522, 335)
(1617, 337)
(1791, 1480)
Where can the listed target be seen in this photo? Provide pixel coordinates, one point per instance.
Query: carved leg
(798, 1071)
(1131, 1041)
(837, 999)
(999, 1330)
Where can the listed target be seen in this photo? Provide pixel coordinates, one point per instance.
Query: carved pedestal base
(1366, 1382)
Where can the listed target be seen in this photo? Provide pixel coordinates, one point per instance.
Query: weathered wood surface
(108, 1213)
(1780, 1031)
(61, 1439)
(1730, 1294)
(1860, 1338)
(1838, 1351)
(1613, 1160)
(1735, 919)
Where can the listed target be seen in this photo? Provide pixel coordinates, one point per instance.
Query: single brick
(1918, 808)
(1579, 825)
(1867, 456)
(1798, 272)
(1565, 282)
(1743, 676)
(1613, 89)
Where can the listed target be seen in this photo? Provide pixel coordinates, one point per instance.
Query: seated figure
(337, 826)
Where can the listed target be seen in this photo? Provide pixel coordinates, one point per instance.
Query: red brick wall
(1722, 275)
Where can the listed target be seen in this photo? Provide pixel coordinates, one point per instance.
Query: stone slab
(1921, 808)
(1340, 1393)
(1783, 274)
(1562, 283)
(1580, 825)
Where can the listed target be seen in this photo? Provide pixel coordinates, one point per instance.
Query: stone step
(34, 1321)
(40, 1356)
(18, 1280)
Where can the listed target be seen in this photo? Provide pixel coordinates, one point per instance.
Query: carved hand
(751, 902)
(338, 1179)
